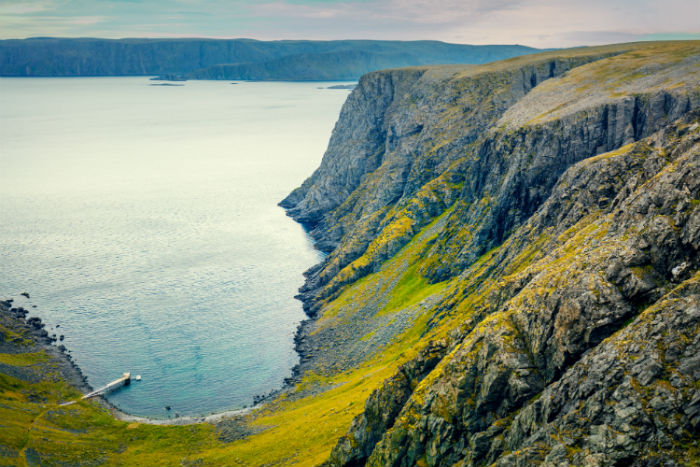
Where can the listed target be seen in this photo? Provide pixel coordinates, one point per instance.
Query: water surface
(143, 222)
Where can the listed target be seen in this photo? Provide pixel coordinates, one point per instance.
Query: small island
(343, 86)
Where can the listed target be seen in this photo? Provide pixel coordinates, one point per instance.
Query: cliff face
(528, 231)
(410, 143)
(566, 367)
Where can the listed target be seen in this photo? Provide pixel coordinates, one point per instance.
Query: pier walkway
(125, 380)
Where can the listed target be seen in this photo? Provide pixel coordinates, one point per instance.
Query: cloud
(21, 8)
(86, 20)
(543, 23)
(380, 11)
(59, 25)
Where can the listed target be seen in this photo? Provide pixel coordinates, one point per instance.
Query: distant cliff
(232, 59)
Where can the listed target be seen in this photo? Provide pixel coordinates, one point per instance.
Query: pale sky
(538, 23)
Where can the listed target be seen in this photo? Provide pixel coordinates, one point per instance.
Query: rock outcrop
(576, 300)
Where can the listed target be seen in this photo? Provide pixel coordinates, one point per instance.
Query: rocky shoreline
(16, 319)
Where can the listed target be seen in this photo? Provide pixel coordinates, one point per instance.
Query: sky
(537, 23)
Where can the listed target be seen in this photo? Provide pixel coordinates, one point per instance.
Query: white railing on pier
(123, 381)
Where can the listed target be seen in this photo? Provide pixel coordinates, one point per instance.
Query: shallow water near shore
(143, 222)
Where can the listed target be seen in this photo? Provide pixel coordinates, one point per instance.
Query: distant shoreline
(235, 59)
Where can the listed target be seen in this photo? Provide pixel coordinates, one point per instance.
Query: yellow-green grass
(17, 337)
(639, 69)
(33, 421)
(23, 359)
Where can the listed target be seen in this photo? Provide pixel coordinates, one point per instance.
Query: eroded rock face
(569, 235)
(575, 301)
(518, 184)
(383, 406)
(411, 144)
(356, 148)
(633, 401)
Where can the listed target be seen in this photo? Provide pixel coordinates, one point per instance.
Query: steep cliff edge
(410, 143)
(513, 230)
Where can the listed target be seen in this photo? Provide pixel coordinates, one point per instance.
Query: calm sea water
(143, 222)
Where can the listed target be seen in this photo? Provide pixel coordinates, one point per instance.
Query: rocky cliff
(531, 227)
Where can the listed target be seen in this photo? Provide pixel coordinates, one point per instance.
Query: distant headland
(233, 59)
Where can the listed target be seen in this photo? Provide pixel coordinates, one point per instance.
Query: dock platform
(125, 380)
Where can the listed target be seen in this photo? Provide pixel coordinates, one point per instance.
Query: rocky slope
(232, 59)
(21, 335)
(590, 354)
(547, 209)
(436, 136)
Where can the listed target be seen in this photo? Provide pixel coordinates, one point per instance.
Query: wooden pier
(125, 380)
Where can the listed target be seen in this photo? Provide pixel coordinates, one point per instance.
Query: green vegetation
(23, 359)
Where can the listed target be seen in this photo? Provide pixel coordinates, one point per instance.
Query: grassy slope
(300, 427)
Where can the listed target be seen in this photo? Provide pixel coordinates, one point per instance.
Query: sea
(142, 221)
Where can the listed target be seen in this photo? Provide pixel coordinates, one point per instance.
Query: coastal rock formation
(410, 143)
(562, 216)
(565, 370)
